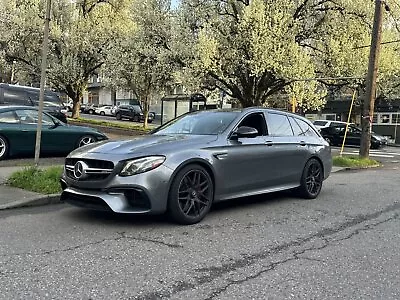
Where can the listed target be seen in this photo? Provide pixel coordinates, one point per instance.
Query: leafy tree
(141, 61)
(80, 34)
(256, 49)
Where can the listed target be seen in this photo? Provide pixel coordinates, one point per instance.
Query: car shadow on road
(82, 215)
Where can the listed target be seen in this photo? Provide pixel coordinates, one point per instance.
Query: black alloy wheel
(311, 180)
(191, 195)
(118, 116)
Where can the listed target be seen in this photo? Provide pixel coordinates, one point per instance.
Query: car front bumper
(145, 193)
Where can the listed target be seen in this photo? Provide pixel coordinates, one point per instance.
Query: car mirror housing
(244, 132)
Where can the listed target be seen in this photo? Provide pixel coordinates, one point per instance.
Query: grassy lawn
(121, 124)
(44, 181)
(354, 162)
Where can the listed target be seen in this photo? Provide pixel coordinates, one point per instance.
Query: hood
(147, 144)
(378, 136)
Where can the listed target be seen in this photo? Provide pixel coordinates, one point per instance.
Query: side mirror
(244, 132)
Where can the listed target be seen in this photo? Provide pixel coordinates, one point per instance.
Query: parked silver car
(197, 159)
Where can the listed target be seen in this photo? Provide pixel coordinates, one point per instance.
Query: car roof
(11, 107)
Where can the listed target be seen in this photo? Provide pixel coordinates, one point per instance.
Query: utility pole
(369, 101)
(45, 47)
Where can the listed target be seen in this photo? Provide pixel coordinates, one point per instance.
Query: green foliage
(44, 181)
(140, 61)
(354, 162)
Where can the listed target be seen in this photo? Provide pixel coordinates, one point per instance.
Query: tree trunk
(76, 108)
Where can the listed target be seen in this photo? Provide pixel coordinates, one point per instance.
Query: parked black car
(29, 96)
(335, 134)
(133, 113)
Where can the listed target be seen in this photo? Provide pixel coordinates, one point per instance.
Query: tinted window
(8, 117)
(32, 116)
(256, 121)
(320, 123)
(306, 129)
(199, 123)
(279, 125)
(15, 97)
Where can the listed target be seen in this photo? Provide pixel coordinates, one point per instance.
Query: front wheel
(191, 195)
(102, 113)
(118, 116)
(311, 180)
(85, 140)
(3, 147)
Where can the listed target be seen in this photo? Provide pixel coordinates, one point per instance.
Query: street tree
(80, 34)
(254, 50)
(141, 61)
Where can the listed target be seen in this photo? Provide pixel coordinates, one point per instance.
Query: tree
(255, 49)
(141, 62)
(81, 32)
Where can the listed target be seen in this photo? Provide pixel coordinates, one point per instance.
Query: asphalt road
(343, 245)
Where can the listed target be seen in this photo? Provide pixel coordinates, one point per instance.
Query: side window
(306, 129)
(296, 128)
(8, 117)
(256, 121)
(15, 97)
(278, 125)
(31, 117)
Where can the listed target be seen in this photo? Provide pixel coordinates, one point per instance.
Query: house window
(93, 98)
(384, 119)
(395, 118)
(330, 117)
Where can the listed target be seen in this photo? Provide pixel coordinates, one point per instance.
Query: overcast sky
(174, 3)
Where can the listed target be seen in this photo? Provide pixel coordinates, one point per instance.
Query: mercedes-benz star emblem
(80, 170)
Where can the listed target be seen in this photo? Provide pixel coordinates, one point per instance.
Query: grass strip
(122, 125)
(354, 162)
(44, 181)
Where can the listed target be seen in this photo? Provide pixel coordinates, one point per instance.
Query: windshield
(203, 123)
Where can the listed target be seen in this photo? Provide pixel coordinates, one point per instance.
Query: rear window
(320, 123)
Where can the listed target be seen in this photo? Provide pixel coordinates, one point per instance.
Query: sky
(174, 3)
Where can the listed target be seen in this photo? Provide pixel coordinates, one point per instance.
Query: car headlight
(141, 165)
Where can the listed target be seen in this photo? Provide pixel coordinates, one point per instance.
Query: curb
(39, 201)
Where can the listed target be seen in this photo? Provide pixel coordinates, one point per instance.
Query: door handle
(302, 143)
(269, 143)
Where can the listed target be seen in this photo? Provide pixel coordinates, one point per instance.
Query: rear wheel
(86, 140)
(191, 195)
(102, 113)
(3, 147)
(311, 180)
(91, 111)
(118, 116)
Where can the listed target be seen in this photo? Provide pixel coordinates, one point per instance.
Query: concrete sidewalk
(11, 197)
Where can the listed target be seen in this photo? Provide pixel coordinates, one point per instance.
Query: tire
(191, 195)
(311, 179)
(149, 121)
(102, 113)
(91, 111)
(85, 140)
(4, 147)
(118, 116)
(136, 119)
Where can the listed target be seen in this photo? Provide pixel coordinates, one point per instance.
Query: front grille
(85, 201)
(91, 169)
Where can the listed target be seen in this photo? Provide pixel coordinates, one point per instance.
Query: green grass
(44, 181)
(122, 125)
(354, 162)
